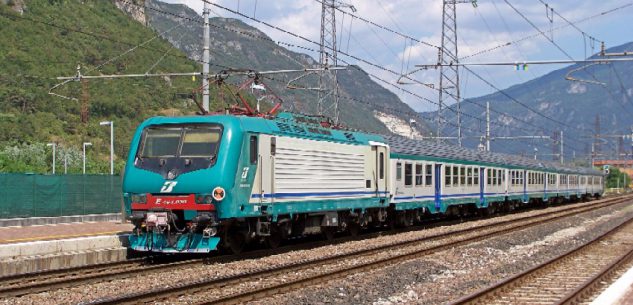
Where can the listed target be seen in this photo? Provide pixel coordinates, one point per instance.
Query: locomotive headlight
(139, 198)
(204, 199)
(218, 193)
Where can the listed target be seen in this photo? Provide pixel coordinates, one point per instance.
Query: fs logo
(168, 186)
(245, 172)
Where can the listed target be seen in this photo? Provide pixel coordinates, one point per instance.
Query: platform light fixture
(84, 149)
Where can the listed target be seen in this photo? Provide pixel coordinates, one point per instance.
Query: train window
(418, 174)
(408, 174)
(489, 180)
(503, 176)
(455, 176)
(517, 176)
(447, 176)
(462, 176)
(398, 171)
(161, 142)
(382, 165)
(429, 175)
(469, 176)
(253, 149)
(273, 146)
(476, 176)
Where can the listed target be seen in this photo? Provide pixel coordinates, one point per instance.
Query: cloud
(491, 24)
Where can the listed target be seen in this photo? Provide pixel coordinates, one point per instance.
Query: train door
(525, 181)
(545, 186)
(482, 188)
(438, 186)
(266, 176)
(382, 170)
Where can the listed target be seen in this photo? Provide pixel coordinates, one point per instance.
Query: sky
(491, 23)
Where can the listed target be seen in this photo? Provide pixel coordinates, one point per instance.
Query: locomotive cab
(175, 182)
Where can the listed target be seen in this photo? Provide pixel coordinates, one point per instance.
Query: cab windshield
(180, 141)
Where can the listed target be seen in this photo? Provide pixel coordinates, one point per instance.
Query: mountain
(237, 45)
(557, 104)
(45, 39)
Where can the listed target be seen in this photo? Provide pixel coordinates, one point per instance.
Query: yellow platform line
(55, 237)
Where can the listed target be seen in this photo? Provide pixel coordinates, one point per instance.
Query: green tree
(617, 178)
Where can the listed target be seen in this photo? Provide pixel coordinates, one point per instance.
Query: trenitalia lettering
(164, 201)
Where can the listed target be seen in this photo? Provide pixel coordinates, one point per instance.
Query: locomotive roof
(410, 147)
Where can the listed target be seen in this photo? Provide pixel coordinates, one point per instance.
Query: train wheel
(328, 232)
(275, 239)
(354, 229)
(237, 242)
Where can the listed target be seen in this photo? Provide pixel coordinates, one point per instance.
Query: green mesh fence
(23, 195)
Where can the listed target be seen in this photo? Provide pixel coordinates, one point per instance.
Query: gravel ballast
(429, 280)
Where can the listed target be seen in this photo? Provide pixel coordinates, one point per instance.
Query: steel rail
(28, 283)
(592, 285)
(206, 284)
(484, 295)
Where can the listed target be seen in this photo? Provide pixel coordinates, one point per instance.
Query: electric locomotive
(193, 184)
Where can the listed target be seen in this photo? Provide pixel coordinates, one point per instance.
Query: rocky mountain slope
(553, 103)
(235, 44)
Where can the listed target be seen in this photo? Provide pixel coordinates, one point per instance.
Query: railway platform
(33, 248)
(620, 292)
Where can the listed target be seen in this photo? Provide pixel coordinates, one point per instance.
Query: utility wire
(354, 57)
(513, 42)
(376, 25)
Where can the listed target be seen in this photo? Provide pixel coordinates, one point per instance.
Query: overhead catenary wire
(315, 43)
(608, 90)
(282, 43)
(161, 51)
(531, 36)
(382, 27)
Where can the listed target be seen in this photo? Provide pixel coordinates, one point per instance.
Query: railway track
(23, 284)
(575, 277)
(269, 281)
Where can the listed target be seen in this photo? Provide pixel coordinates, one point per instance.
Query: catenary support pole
(205, 57)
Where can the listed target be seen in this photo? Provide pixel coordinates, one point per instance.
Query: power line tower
(449, 72)
(328, 85)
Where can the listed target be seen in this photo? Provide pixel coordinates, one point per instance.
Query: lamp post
(53, 145)
(111, 124)
(84, 146)
(535, 152)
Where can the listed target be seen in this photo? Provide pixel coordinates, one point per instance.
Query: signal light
(218, 193)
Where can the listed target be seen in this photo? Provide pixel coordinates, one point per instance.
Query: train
(199, 184)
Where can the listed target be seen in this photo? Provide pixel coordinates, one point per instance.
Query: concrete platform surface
(620, 292)
(46, 247)
(61, 231)
(31, 221)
